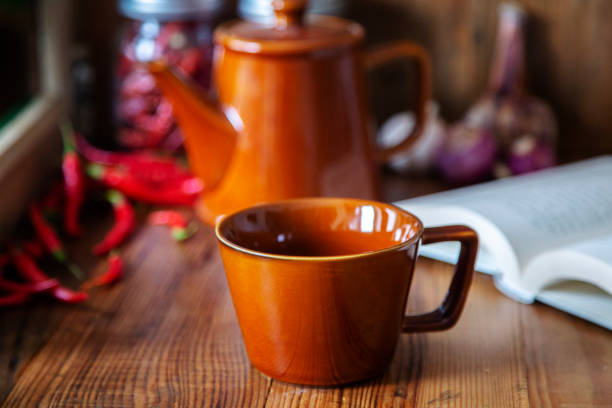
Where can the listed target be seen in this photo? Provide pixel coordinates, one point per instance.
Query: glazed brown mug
(320, 285)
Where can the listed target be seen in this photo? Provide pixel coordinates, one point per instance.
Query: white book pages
(536, 231)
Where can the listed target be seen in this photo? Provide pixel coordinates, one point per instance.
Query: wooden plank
(25, 329)
(167, 335)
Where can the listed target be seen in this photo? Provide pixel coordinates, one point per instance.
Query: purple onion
(529, 154)
(521, 125)
(468, 155)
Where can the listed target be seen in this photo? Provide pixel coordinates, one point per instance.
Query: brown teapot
(290, 117)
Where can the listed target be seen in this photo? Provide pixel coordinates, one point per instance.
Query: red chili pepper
(168, 217)
(183, 193)
(69, 296)
(181, 230)
(74, 181)
(113, 273)
(124, 223)
(13, 299)
(46, 234)
(93, 154)
(30, 272)
(148, 168)
(158, 173)
(33, 287)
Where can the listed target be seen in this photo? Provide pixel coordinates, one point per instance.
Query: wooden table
(167, 336)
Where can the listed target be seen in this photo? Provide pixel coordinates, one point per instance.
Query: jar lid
(290, 32)
(262, 11)
(170, 10)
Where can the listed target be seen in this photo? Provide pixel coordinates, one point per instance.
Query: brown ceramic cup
(320, 284)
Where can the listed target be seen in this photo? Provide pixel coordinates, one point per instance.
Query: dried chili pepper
(74, 181)
(46, 234)
(31, 273)
(124, 223)
(180, 228)
(183, 193)
(156, 125)
(14, 299)
(113, 273)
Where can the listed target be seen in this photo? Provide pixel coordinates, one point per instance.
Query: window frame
(29, 143)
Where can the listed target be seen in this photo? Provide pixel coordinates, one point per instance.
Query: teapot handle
(386, 53)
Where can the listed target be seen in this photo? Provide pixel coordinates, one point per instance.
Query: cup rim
(224, 218)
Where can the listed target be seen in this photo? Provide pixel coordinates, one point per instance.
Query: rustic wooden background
(569, 47)
(569, 56)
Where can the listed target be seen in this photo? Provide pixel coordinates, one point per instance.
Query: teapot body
(290, 117)
(303, 128)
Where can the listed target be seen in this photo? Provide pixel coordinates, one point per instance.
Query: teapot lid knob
(288, 12)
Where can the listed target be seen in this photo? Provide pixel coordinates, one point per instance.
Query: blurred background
(74, 52)
(569, 59)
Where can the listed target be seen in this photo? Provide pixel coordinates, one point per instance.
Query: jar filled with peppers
(179, 31)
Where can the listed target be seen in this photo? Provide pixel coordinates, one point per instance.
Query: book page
(599, 248)
(544, 210)
(580, 299)
(588, 261)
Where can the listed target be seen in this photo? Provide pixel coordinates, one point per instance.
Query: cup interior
(319, 227)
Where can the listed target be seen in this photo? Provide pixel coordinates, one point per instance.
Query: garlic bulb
(422, 155)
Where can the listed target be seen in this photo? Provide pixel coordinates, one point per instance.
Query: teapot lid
(291, 32)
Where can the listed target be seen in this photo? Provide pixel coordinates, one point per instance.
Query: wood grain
(167, 336)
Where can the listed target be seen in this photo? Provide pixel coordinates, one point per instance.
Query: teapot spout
(210, 137)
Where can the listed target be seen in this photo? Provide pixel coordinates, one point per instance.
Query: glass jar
(178, 31)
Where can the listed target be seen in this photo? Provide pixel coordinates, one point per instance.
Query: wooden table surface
(167, 336)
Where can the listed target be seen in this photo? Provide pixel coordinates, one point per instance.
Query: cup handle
(404, 49)
(447, 314)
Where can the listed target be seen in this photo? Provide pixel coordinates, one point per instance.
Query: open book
(545, 236)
